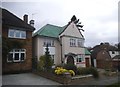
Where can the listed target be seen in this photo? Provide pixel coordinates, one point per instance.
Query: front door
(70, 60)
(87, 62)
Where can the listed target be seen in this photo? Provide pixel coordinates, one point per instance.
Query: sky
(99, 17)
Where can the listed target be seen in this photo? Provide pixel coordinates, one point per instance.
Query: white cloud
(99, 17)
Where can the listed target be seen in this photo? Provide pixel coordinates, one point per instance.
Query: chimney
(25, 18)
(32, 23)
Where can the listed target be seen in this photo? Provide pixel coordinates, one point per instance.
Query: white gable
(72, 30)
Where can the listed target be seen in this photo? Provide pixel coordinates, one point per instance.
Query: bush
(41, 63)
(94, 72)
(85, 71)
(71, 67)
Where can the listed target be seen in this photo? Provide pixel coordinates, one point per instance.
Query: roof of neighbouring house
(116, 57)
(104, 46)
(50, 31)
(87, 52)
(12, 20)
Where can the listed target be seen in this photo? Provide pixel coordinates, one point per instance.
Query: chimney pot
(32, 23)
(25, 18)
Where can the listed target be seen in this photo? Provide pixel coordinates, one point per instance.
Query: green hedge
(85, 71)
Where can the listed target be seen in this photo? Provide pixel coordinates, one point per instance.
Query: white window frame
(80, 43)
(72, 42)
(49, 42)
(15, 32)
(19, 51)
(80, 57)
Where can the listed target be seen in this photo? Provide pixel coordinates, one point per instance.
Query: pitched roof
(116, 57)
(11, 20)
(87, 52)
(104, 46)
(49, 31)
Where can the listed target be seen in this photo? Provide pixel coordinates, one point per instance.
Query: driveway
(26, 79)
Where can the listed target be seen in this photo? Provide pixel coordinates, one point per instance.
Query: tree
(76, 21)
(48, 61)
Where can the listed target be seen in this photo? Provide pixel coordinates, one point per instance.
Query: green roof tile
(49, 31)
(87, 52)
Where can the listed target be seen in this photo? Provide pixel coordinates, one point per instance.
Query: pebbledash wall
(61, 45)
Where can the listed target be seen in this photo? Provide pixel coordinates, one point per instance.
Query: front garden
(62, 73)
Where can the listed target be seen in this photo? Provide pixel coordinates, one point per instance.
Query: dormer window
(17, 34)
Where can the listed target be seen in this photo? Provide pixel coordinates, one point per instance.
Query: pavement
(103, 80)
(26, 79)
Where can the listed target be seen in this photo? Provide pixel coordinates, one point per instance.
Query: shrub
(90, 70)
(94, 72)
(83, 71)
(41, 63)
(61, 70)
(71, 67)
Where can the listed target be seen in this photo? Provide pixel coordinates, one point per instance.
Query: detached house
(15, 29)
(66, 44)
(105, 56)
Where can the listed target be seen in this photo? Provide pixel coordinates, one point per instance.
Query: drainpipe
(60, 40)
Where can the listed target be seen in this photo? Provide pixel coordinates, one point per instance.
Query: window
(16, 55)
(16, 34)
(80, 58)
(72, 42)
(80, 43)
(113, 52)
(49, 42)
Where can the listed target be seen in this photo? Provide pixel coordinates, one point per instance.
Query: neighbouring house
(102, 56)
(19, 31)
(66, 44)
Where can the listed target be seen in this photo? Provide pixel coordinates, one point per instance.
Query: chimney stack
(32, 23)
(25, 18)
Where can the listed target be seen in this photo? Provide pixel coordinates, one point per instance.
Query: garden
(62, 73)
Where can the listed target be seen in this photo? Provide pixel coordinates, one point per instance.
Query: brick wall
(20, 66)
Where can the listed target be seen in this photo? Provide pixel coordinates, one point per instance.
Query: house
(102, 55)
(19, 31)
(66, 44)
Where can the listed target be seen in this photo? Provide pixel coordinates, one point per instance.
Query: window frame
(72, 42)
(80, 57)
(79, 43)
(49, 42)
(13, 52)
(15, 34)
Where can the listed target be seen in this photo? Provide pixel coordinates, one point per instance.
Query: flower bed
(58, 78)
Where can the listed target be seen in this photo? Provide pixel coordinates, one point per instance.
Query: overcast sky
(99, 17)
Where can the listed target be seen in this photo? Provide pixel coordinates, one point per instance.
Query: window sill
(15, 62)
(48, 46)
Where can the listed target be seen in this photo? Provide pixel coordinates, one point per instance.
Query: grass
(114, 85)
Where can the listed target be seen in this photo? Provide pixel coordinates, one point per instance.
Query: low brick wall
(58, 78)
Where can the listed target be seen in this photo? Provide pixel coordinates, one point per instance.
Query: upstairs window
(72, 42)
(80, 43)
(17, 34)
(49, 42)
